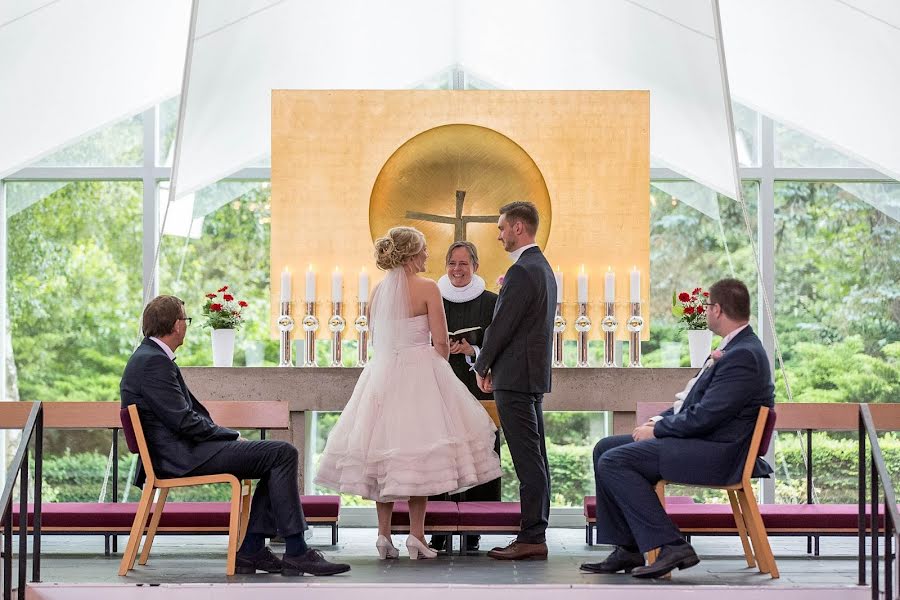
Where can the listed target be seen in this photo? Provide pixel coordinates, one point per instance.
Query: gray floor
(200, 559)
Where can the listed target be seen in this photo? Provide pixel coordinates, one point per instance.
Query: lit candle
(559, 285)
(363, 285)
(635, 285)
(285, 285)
(310, 285)
(582, 286)
(609, 286)
(337, 285)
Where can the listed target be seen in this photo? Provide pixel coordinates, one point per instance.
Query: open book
(467, 334)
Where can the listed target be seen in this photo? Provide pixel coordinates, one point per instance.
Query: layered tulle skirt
(411, 428)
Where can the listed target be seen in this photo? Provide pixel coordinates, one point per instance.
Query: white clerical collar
(515, 254)
(470, 291)
(165, 348)
(731, 336)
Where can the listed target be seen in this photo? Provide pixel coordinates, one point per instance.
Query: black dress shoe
(264, 560)
(438, 542)
(620, 560)
(472, 542)
(681, 556)
(313, 562)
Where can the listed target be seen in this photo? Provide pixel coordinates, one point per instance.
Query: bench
(107, 518)
(808, 520)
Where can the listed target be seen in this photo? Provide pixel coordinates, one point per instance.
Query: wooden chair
(747, 518)
(240, 501)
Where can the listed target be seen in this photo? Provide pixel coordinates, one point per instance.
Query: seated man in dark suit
(704, 440)
(184, 441)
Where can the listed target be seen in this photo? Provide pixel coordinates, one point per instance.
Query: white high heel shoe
(386, 548)
(417, 549)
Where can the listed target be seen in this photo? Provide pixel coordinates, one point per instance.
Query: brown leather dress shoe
(520, 551)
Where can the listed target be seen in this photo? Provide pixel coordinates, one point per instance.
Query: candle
(559, 285)
(635, 285)
(609, 286)
(337, 285)
(310, 285)
(286, 285)
(363, 285)
(582, 286)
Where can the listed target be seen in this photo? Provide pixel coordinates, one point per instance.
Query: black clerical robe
(461, 315)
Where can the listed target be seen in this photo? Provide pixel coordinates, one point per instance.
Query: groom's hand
(484, 383)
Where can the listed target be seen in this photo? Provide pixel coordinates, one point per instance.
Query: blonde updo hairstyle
(397, 247)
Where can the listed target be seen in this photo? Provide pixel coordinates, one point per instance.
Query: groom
(514, 364)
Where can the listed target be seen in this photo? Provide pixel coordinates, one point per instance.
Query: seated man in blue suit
(704, 441)
(184, 441)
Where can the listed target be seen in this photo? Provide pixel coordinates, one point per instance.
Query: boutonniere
(717, 355)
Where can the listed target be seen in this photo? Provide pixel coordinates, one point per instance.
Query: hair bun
(397, 247)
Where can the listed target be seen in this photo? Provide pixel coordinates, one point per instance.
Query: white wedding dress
(411, 428)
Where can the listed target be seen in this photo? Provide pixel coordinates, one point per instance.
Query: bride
(411, 429)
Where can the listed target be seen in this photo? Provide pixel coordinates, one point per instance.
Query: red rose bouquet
(222, 310)
(690, 308)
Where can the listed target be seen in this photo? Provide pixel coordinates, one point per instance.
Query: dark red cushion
(775, 516)
(489, 514)
(767, 433)
(590, 504)
(322, 506)
(438, 514)
(128, 430)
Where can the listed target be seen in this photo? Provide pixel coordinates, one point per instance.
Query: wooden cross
(459, 222)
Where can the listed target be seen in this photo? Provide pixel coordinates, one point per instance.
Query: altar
(617, 390)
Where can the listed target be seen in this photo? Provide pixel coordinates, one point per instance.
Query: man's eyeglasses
(187, 319)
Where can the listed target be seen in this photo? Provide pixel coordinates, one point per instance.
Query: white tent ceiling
(826, 67)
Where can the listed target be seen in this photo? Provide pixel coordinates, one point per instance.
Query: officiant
(468, 304)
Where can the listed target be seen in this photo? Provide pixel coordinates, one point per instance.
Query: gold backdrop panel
(347, 165)
(450, 182)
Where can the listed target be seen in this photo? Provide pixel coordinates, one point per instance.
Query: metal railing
(879, 474)
(34, 429)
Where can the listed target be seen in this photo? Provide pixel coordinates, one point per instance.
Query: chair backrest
(767, 433)
(128, 430)
(134, 430)
(756, 449)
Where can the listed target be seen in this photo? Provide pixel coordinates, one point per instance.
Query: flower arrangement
(222, 311)
(690, 308)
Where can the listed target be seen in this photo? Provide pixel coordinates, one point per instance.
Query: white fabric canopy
(70, 67)
(828, 68)
(535, 44)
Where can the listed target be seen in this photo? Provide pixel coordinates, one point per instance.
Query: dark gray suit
(705, 443)
(516, 350)
(183, 440)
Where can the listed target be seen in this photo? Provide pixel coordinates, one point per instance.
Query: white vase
(223, 347)
(700, 346)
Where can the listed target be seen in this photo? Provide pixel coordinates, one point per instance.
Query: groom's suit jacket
(707, 441)
(179, 431)
(519, 341)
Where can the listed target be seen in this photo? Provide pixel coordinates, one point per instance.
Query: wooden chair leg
(246, 500)
(154, 525)
(137, 531)
(741, 527)
(234, 525)
(763, 549)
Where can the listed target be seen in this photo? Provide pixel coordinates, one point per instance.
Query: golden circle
(424, 175)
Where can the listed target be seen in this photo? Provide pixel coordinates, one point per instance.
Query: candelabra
(609, 324)
(310, 326)
(336, 326)
(286, 326)
(582, 326)
(559, 327)
(634, 325)
(362, 330)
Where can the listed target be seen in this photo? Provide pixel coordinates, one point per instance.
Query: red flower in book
(688, 310)
(684, 297)
(242, 304)
(222, 289)
(215, 307)
(210, 295)
(228, 297)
